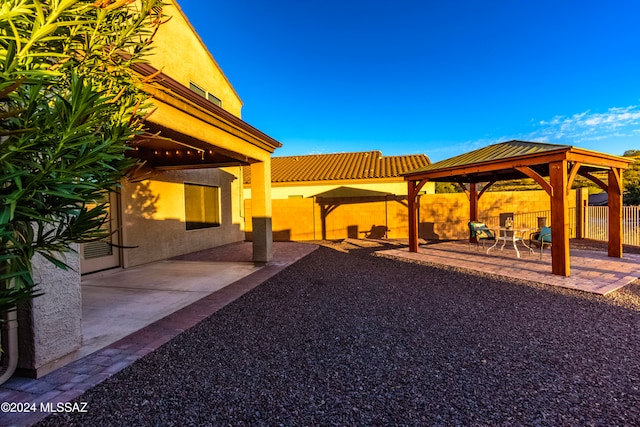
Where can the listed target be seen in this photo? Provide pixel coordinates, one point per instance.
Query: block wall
(441, 216)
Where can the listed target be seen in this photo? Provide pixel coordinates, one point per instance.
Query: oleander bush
(70, 103)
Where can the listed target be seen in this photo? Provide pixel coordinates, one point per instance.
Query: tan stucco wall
(153, 215)
(180, 53)
(306, 190)
(442, 216)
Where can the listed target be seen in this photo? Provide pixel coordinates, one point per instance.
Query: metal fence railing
(598, 219)
(530, 220)
(596, 226)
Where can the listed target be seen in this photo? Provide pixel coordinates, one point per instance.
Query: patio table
(512, 235)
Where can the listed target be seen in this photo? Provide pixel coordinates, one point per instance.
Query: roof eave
(174, 87)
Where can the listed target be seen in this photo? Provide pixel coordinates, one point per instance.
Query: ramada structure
(521, 159)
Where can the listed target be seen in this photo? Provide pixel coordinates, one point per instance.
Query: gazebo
(522, 159)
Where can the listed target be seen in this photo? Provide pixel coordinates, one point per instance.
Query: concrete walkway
(129, 313)
(591, 271)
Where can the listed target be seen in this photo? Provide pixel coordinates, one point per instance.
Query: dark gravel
(346, 338)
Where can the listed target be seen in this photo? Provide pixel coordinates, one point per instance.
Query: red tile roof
(340, 166)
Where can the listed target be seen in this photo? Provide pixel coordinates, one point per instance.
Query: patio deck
(591, 271)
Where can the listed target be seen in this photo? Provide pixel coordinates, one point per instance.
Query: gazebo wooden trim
(519, 159)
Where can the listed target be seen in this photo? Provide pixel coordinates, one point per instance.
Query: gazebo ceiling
(499, 162)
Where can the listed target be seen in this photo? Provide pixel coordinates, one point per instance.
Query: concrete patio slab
(128, 300)
(591, 271)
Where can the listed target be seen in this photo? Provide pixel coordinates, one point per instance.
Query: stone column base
(262, 236)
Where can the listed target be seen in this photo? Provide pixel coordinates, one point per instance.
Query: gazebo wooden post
(559, 218)
(412, 195)
(473, 206)
(614, 190)
(413, 189)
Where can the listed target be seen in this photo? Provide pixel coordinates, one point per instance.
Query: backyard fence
(441, 217)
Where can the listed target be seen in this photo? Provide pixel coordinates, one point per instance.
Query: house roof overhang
(501, 162)
(192, 132)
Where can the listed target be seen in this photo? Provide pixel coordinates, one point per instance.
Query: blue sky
(419, 76)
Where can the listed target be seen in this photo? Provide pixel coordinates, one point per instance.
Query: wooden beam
(572, 175)
(598, 182)
(536, 177)
(473, 201)
(560, 263)
(601, 160)
(473, 206)
(412, 196)
(490, 166)
(614, 194)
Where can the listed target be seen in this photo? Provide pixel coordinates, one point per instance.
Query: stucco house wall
(177, 38)
(153, 215)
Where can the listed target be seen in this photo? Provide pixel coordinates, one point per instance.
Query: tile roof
(340, 166)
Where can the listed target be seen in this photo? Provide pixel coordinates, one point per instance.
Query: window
(214, 99)
(201, 206)
(203, 93)
(197, 89)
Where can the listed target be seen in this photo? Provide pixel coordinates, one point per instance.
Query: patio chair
(480, 232)
(541, 239)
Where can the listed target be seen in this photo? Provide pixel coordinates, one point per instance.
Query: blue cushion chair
(541, 239)
(480, 232)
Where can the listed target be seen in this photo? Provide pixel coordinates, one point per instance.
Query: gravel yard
(345, 338)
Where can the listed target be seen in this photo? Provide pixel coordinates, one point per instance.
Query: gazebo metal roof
(499, 162)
